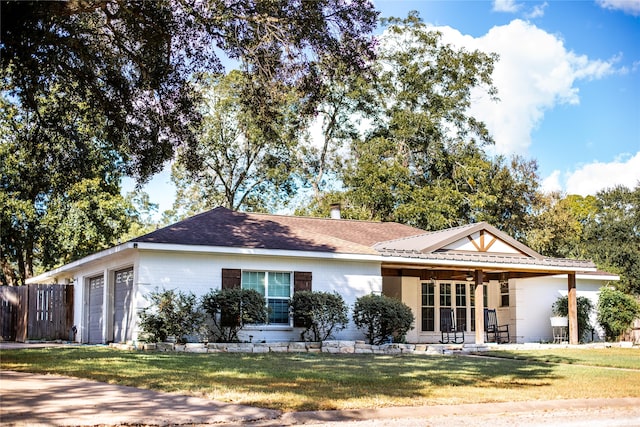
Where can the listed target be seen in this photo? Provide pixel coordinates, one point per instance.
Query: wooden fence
(36, 312)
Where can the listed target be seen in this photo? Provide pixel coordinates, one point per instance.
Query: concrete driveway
(47, 400)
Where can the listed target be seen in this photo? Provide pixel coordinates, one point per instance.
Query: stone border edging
(334, 347)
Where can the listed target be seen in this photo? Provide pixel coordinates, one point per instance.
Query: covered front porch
(467, 293)
(462, 271)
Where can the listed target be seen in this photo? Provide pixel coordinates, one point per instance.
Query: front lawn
(628, 358)
(297, 382)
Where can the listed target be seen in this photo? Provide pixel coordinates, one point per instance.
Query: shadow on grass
(530, 357)
(284, 380)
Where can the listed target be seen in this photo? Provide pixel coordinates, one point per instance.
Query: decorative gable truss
(484, 242)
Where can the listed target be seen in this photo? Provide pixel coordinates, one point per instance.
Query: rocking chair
(494, 332)
(449, 329)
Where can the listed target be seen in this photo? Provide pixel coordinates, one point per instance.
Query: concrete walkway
(46, 400)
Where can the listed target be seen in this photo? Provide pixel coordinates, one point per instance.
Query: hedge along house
(465, 268)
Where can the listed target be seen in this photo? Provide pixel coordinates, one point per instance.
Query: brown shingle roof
(223, 227)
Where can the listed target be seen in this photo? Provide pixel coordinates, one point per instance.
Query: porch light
(469, 277)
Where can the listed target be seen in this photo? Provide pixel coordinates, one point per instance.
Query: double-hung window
(428, 306)
(504, 293)
(461, 306)
(275, 287)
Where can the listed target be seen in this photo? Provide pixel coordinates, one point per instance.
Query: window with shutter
(275, 286)
(301, 282)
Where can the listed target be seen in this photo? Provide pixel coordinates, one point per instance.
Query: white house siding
(201, 272)
(535, 296)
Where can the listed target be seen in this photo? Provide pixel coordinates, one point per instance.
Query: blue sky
(568, 80)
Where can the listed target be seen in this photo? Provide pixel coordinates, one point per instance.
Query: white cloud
(535, 73)
(537, 11)
(551, 183)
(593, 177)
(631, 7)
(509, 6)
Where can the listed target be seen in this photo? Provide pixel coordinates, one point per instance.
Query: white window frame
(266, 295)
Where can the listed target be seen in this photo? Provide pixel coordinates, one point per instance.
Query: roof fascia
(81, 262)
(598, 277)
(471, 265)
(227, 250)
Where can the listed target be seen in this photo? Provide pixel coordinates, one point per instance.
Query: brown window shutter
(301, 281)
(231, 278)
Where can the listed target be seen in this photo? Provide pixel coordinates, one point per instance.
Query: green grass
(625, 358)
(295, 382)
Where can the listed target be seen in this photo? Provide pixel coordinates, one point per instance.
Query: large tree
(604, 228)
(242, 167)
(559, 225)
(93, 89)
(59, 195)
(423, 158)
(612, 236)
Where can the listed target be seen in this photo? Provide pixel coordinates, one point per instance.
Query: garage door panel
(123, 318)
(96, 304)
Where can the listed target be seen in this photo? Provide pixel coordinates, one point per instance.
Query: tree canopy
(91, 90)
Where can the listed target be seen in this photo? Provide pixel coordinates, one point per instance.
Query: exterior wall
(199, 273)
(506, 314)
(534, 298)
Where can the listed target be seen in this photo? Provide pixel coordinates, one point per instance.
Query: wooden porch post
(573, 309)
(479, 306)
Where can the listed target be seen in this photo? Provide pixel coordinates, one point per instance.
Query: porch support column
(573, 309)
(479, 306)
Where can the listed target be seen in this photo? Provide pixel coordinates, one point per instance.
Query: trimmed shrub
(382, 317)
(616, 312)
(320, 313)
(585, 307)
(230, 310)
(171, 313)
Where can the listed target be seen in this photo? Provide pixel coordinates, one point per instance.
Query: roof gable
(480, 238)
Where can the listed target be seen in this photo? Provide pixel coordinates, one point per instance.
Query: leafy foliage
(382, 317)
(230, 310)
(585, 307)
(59, 190)
(320, 313)
(616, 312)
(612, 236)
(559, 225)
(171, 313)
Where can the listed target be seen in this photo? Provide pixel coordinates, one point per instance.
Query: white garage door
(96, 302)
(123, 306)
